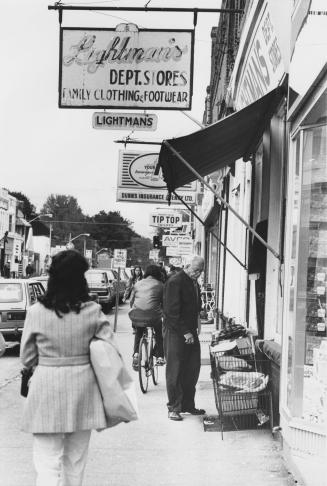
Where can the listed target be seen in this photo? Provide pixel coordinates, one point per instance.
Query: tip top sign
(166, 220)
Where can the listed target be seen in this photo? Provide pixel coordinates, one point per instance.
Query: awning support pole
(210, 231)
(222, 200)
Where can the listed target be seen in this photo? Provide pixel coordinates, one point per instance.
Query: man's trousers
(183, 363)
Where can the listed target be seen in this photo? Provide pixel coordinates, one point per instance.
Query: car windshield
(111, 275)
(11, 292)
(95, 278)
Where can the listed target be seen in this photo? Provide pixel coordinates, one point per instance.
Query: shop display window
(307, 336)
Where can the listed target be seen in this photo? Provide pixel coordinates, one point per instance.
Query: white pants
(60, 459)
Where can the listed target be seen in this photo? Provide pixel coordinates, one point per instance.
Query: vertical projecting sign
(126, 68)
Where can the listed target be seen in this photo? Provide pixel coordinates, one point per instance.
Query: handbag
(26, 374)
(115, 383)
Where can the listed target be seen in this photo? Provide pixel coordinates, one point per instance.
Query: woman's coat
(63, 395)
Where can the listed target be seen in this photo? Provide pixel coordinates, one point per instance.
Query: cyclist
(146, 303)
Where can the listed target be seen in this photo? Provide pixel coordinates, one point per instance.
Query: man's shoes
(194, 411)
(175, 416)
(135, 363)
(160, 362)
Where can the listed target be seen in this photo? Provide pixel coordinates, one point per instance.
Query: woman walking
(64, 402)
(146, 302)
(137, 275)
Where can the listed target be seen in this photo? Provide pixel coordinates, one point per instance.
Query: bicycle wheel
(153, 362)
(143, 365)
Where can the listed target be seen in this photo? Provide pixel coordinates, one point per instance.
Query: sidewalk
(156, 451)
(153, 451)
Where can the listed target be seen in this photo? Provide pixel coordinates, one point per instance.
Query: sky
(46, 150)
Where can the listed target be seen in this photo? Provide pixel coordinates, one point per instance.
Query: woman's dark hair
(67, 285)
(153, 271)
(134, 276)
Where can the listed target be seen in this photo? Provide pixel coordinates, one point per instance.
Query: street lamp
(102, 249)
(70, 245)
(48, 215)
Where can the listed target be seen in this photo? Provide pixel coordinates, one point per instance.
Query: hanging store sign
(125, 68)
(173, 252)
(124, 121)
(174, 241)
(185, 247)
(154, 255)
(138, 183)
(170, 240)
(177, 261)
(166, 220)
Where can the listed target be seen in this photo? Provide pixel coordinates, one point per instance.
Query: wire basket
(241, 387)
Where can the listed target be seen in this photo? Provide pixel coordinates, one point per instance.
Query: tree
(138, 253)
(111, 230)
(27, 207)
(67, 215)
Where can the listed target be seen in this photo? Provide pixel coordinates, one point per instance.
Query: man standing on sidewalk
(181, 307)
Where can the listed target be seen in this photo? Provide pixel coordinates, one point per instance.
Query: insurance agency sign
(125, 68)
(138, 183)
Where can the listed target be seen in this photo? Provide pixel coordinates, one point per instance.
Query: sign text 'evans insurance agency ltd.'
(125, 68)
(138, 183)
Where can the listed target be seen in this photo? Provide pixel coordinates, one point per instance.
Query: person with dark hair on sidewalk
(181, 306)
(146, 303)
(64, 402)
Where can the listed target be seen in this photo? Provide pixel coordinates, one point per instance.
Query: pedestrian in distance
(181, 325)
(64, 403)
(146, 303)
(6, 269)
(29, 270)
(137, 274)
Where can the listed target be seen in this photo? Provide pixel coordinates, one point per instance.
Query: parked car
(16, 295)
(113, 279)
(100, 288)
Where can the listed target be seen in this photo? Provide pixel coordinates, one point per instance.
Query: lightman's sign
(140, 69)
(121, 121)
(137, 182)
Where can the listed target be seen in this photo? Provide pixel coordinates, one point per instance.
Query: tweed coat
(63, 398)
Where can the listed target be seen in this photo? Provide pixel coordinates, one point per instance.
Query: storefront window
(307, 337)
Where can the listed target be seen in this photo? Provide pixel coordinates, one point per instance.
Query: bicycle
(147, 361)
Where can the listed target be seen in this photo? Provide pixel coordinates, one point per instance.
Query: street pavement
(152, 451)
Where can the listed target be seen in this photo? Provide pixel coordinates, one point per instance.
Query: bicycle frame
(147, 361)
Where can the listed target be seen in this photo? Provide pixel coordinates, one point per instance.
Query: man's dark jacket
(181, 304)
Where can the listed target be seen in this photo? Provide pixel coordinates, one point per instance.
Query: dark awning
(217, 145)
